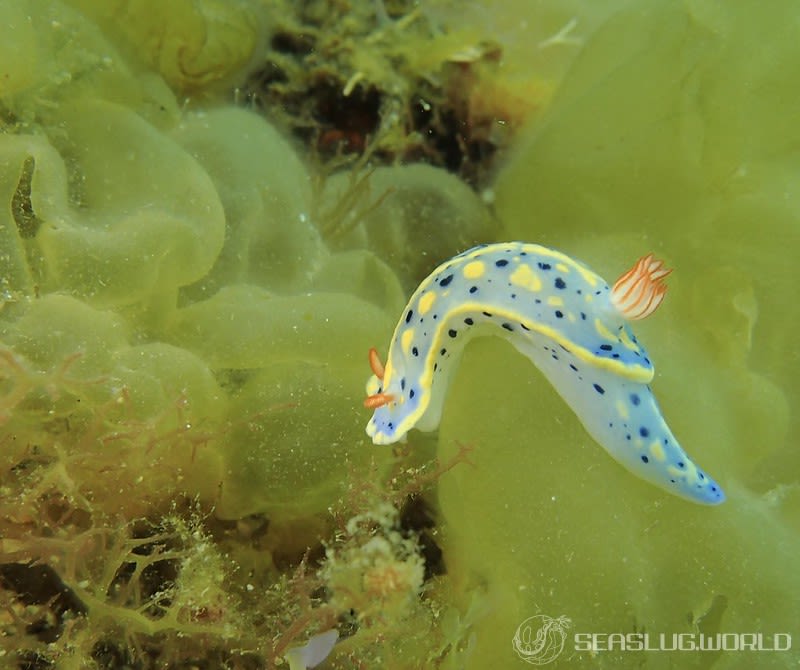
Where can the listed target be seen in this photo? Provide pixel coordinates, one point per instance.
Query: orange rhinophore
(376, 363)
(377, 399)
(639, 292)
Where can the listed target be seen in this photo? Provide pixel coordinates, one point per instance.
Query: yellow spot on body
(591, 278)
(426, 301)
(630, 344)
(526, 278)
(474, 270)
(657, 451)
(387, 374)
(562, 268)
(571, 317)
(622, 409)
(589, 297)
(688, 472)
(555, 301)
(406, 339)
(604, 332)
(638, 443)
(373, 384)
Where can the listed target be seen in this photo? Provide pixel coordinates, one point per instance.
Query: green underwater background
(189, 287)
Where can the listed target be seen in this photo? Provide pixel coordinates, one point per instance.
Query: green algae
(186, 310)
(664, 137)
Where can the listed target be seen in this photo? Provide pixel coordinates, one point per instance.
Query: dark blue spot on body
(635, 399)
(403, 384)
(524, 327)
(643, 431)
(508, 326)
(645, 459)
(560, 283)
(599, 389)
(583, 316)
(409, 315)
(606, 347)
(473, 289)
(573, 367)
(415, 351)
(544, 266)
(452, 333)
(559, 314)
(443, 352)
(446, 280)
(468, 321)
(411, 394)
(489, 314)
(501, 263)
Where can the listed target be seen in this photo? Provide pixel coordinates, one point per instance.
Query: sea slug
(565, 319)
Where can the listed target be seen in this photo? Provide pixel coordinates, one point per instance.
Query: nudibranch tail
(639, 292)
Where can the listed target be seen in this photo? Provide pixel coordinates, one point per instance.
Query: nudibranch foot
(568, 322)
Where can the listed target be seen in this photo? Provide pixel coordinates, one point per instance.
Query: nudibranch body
(564, 318)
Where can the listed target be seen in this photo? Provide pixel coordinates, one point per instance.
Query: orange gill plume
(639, 292)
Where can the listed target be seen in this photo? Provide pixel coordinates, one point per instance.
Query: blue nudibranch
(574, 328)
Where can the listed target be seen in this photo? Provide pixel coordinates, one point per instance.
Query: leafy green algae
(186, 315)
(183, 352)
(671, 133)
